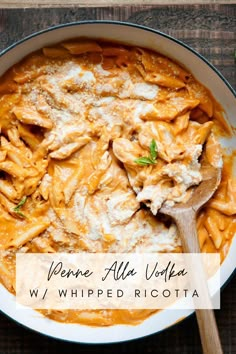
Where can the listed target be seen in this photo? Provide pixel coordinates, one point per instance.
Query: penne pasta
(8, 190)
(3, 155)
(6, 277)
(90, 131)
(69, 149)
(202, 236)
(32, 140)
(14, 137)
(203, 133)
(43, 245)
(52, 52)
(81, 47)
(181, 123)
(30, 116)
(27, 233)
(226, 208)
(13, 169)
(172, 109)
(214, 232)
(162, 80)
(72, 184)
(7, 204)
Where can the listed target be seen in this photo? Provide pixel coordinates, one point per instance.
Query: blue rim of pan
(148, 29)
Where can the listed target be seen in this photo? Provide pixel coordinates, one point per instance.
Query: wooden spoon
(184, 215)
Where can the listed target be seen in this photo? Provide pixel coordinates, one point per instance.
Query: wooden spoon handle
(208, 332)
(186, 222)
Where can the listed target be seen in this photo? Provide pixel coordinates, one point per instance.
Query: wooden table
(210, 29)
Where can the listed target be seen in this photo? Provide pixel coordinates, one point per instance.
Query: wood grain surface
(211, 30)
(66, 3)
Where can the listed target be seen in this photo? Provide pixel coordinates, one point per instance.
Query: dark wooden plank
(63, 3)
(210, 29)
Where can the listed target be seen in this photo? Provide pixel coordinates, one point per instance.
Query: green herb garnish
(151, 159)
(144, 161)
(153, 150)
(18, 207)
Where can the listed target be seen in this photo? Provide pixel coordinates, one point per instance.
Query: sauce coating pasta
(90, 131)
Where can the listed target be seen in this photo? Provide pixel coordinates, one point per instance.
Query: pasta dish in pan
(91, 133)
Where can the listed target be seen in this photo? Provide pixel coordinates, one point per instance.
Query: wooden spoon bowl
(184, 214)
(211, 177)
